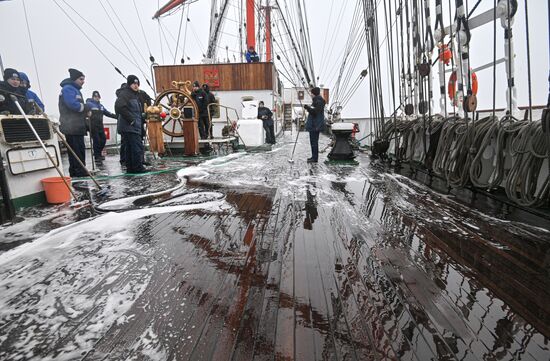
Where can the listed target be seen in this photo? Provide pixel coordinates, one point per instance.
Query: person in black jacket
(129, 110)
(97, 132)
(200, 97)
(211, 110)
(72, 120)
(266, 116)
(12, 86)
(315, 123)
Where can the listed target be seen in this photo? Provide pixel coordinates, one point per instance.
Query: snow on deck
(250, 257)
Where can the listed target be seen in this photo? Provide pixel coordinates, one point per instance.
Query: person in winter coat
(26, 85)
(200, 97)
(129, 110)
(209, 95)
(11, 86)
(252, 56)
(97, 132)
(211, 111)
(266, 116)
(72, 119)
(315, 122)
(122, 144)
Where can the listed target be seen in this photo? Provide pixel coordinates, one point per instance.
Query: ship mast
(250, 24)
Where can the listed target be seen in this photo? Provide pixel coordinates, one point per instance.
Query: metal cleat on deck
(342, 149)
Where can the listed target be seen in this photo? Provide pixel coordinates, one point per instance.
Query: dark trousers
(314, 142)
(76, 142)
(204, 127)
(133, 147)
(269, 128)
(99, 140)
(122, 150)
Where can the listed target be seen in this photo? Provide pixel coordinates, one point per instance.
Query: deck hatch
(16, 130)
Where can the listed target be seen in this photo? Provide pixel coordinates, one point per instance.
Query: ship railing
(218, 111)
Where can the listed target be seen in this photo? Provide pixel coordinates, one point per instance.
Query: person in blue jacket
(252, 56)
(72, 119)
(31, 96)
(315, 122)
(129, 109)
(97, 132)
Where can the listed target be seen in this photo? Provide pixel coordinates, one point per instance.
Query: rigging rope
(142, 29)
(32, 50)
(179, 34)
(530, 110)
(136, 48)
(120, 36)
(89, 39)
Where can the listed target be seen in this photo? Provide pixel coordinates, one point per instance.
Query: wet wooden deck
(328, 262)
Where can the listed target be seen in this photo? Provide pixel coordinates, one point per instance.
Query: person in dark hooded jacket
(97, 131)
(266, 115)
(72, 119)
(122, 144)
(12, 86)
(211, 111)
(315, 122)
(129, 110)
(200, 97)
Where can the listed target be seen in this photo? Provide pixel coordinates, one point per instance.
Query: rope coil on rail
(488, 154)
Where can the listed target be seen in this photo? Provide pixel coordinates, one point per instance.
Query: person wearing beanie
(200, 97)
(266, 115)
(72, 119)
(252, 56)
(97, 133)
(75, 74)
(129, 109)
(31, 96)
(315, 123)
(12, 86)
(209, 95)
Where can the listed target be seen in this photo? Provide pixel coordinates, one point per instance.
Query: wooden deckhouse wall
(220, 77)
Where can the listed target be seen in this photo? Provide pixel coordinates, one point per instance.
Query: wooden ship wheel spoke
(179, 108)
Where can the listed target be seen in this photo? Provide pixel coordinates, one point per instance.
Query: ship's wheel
(179, 108)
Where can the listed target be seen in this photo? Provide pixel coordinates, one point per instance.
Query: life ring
(451, 88)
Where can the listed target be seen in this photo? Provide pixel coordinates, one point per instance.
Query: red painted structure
(250, 24)
(172, 4)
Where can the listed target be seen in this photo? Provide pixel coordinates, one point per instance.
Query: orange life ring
(451, 88)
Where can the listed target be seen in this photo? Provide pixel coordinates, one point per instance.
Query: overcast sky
(58, 45)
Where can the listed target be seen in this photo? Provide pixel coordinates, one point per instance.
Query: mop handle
(69, 148)
(14, 98)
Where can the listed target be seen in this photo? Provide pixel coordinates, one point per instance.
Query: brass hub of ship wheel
(175, 113)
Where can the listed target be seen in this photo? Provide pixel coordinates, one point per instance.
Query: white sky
(58, 45)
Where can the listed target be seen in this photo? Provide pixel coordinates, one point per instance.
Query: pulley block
(424, 69)
(409, 109)
(423, 107)
(470, 103)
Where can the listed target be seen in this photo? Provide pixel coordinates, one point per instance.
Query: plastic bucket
(56, 190)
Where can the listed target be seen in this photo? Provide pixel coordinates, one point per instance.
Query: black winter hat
(75, 74)
(131, 79)
(96, 93)
(10, 73)
(316, 91)
(196, 84)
